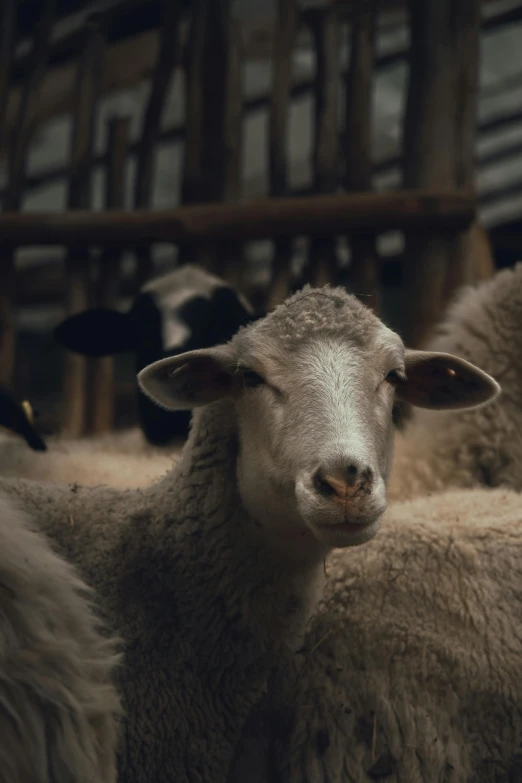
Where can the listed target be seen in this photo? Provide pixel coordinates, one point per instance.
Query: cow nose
(345, 482)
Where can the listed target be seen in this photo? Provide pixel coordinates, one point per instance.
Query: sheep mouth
(347, 534)
(347, 527)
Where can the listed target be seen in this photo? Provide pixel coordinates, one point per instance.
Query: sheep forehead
(311, 314)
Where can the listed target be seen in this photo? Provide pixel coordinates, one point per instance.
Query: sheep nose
(344, 483)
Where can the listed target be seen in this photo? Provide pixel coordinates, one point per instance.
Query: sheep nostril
(322, 486)
(345, 482)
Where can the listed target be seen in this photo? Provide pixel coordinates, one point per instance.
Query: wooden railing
(436, 209)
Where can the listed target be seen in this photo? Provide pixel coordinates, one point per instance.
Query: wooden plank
(167, 58)
(214, 119)
(464, 266)
(481, 251)
(79, 198)
(504, 120)
(324, 24)
(7, 39)
(364, 270)
(430, 150)
(229, 253)
(18, 143)
(28, 110)
(7, 276)
(285, 33)
(439, 211)
(191, 175)
(101, 370)
(132, 59)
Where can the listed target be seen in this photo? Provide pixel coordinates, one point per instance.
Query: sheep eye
(252, 379)
(395, 376)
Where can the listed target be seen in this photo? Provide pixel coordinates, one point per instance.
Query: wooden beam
(160, 83)
(79, 198)
(191, 174)
(504, 120)
(22, 134)
(214, 119)
(464, 266)
(364, 270)
(324, 24)
(18, 142)
(431, 148)
(101, 369)
(7, 273)
(439, 211)
(132, 59)
(7, 39)
(213, 113)
(284, 37)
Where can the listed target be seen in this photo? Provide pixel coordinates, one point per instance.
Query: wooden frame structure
(436, 210)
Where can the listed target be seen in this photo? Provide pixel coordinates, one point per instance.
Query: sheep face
(314, 385)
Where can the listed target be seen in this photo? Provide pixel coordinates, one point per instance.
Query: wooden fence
(436, 210)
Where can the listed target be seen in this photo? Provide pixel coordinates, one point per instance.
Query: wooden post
(285, 31)
(230, 253)
(192, 175)
(213, 114)
(464, 266)
(7, 278)
(7, 39)
(364, 271)
(324, 24)
(160, 83)
(437, 131)
(18, 145)
(79, 197)
(481, 252)
(101, 370)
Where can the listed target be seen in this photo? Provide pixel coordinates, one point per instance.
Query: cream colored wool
(412, 667)
(166, 563)
(122, 460)
(58, 705)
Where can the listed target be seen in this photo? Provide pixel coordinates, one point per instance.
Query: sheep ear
(192, 379)
(445, 382)
(97, 332)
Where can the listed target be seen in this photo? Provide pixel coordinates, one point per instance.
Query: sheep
(122, 460)
(59, 709)
(483, 446)
(18, 417)
(211, 574)
(412, 667)
(186, 309)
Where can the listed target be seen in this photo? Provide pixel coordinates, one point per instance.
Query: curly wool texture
(58, 706)
(412, 668)
(299, 318)
(204, 613)
(120, 460)
(480, 447)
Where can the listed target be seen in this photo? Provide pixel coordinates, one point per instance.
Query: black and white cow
(19, 419)
(180, 311)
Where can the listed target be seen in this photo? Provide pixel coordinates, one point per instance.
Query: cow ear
(97, 332)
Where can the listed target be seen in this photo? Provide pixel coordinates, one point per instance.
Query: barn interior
(375, 145)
